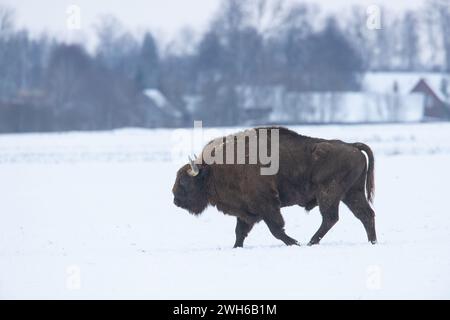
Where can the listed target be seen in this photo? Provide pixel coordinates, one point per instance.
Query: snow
(90, 215)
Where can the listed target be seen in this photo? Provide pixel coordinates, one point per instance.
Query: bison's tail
(370, 179)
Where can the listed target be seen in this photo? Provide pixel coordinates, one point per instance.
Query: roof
(383, 82)
(192, 102)
(158, 98)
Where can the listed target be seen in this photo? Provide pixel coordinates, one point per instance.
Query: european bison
(311, 172)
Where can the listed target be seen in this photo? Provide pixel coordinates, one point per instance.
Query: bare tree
(410, 41)
(6, 20)
(437, 23)
(443, 9)
(117, 49)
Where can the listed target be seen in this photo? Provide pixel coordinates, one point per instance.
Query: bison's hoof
(291, 242)
(373, 242)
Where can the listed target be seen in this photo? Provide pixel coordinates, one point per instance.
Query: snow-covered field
(90, 215)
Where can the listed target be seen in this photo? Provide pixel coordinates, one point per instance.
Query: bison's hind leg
(357, 202)
(328, 199)
(330, 217)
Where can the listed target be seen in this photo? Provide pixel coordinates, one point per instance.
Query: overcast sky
(165, 17)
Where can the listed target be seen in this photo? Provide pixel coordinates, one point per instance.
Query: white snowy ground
(90, 215)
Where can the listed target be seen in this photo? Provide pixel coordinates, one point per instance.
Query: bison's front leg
(275, 223)
(242, 230)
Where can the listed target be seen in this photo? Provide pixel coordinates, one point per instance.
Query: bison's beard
(195, 207)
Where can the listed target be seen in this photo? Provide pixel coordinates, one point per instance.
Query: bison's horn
(193, 171)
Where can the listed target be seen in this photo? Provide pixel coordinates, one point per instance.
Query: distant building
(436, 103)
(158, 111)
(258, 103)
(433, 87)
(276, 105)
(384, 97)
(28, 111)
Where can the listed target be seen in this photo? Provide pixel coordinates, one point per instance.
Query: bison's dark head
(189, 190)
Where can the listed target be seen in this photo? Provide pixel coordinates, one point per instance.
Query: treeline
(47, 85)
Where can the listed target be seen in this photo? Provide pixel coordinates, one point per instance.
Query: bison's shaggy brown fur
(312, 172)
